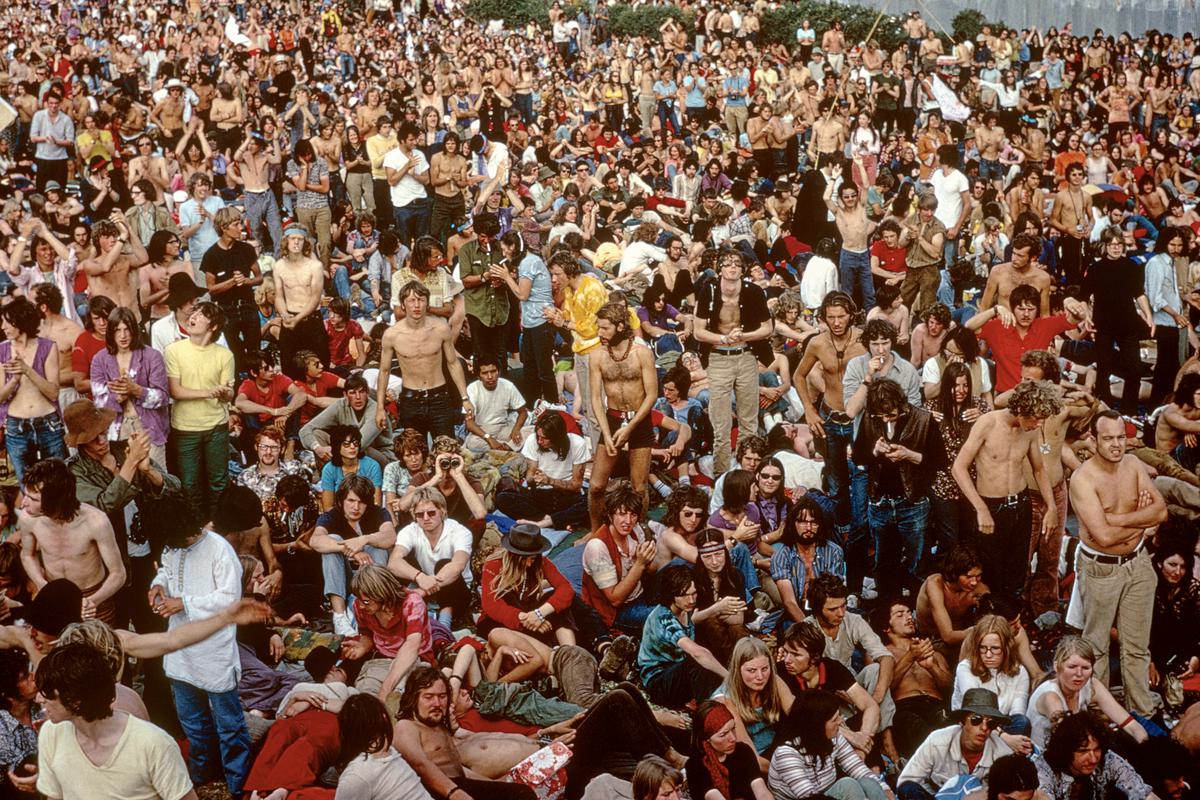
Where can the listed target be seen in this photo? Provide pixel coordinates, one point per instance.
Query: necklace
(613, 355)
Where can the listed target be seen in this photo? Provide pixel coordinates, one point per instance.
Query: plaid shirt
(316, 171)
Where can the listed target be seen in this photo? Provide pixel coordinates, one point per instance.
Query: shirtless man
(167, 114)
(1026, 195)
(151, 166)
(63, 332)
(253, 160)
(947, 599)
(854, 264)
(109, 270)
(1071, 216)
(1023, 270)
(422, 736)
(920, 679)
(299, 279)
(1176, 451)
(989, 138)
(623, 382)
(1117, 505)
(832, 349)
(329, 147)
(999, 446)
(422, 344)
(828, 137)
(60, 538)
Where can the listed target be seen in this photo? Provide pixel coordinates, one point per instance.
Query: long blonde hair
(514, 576)
(747, 649)
(993, 623)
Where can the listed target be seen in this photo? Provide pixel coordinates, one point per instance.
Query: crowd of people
(826, 426)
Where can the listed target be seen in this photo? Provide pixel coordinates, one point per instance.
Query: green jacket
(486, 303)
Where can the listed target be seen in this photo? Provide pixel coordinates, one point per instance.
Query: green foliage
(780, 24)
(968, 23)
(514, 12)
(624, 20)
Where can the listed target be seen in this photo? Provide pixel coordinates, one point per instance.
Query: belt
(435, 391)
(1007, 500)
(731, 351)
(1108, 558)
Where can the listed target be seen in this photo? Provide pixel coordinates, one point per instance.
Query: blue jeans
(855, 268)
(898, 528)
(213, 718)
(335, 568)
(838, 435)
(261, 209)
(631, 616)
(200, 459)
(743, 562)
(347, 65)
(412, 220)
(341, 282)
(30, 439)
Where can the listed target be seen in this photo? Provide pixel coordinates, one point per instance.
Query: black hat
(180, 289)
(319, 661)
(57, 605)
(525, 539)
(983, 702)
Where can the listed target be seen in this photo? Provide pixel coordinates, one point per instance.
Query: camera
(445, 463)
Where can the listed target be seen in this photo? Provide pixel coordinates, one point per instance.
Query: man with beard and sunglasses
(423, 736)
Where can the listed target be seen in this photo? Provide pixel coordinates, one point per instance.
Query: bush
(624, 20)
(515, 13)
(780, 24)
(968, 24)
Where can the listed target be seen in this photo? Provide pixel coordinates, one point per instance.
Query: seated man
(357, 409)
(267, 397)
(317, 383)
(239, 518)
(920, 684)
(433, 553)
(846, 633)
(500, 411)
(674, 668)
(947, 599)
(968, 747)
(1176, 431)
(616, 559)
(750, 451)
(463, 495)
(555, 460)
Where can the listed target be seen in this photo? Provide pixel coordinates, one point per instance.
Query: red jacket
(502, 611)
(593, 595)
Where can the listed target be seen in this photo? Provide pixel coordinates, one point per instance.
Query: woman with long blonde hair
(755, 695)
(992, 664)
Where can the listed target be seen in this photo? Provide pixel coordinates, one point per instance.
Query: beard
(433, 719)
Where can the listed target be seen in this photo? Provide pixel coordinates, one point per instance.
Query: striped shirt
(795, 775)
(787, 565)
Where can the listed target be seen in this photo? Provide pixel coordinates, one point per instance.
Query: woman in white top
(1072, 688)
(992, 664)
(373, 769)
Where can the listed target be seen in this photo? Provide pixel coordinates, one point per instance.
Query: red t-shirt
(339, 343)
(276, 395)
(1008, 346)
(86, 347)
(318, 388)
(893, 259)
(413, 617)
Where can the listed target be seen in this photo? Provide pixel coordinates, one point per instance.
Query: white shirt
(599, 564)
(207, 577)
(409, 188)
(931, 372)
(948, 190)
(940, 758)
(166, 332)
(1012, 690)
(454, 539)
(578, 452)
(495, 411)
(636, 258)
(820, 278)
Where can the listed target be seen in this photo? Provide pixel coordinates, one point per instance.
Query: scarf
(716, 719)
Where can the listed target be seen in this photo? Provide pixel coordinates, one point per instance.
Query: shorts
(642, 435)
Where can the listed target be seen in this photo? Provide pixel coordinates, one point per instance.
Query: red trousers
(297, 750)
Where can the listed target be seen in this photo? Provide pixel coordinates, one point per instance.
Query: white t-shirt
(455, 538)
(409, 188)
(599, 564)
(948, 190)
(145, 765)
(548, 462)
(495, 411)
(367, 777)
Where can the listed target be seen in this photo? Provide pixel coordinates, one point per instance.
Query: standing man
(732, 326)
(623, 382)
(953, 193)
(735, 89)
(854, 264)
(200, 376)
(199, 578)
(254, 159)
(487, 298)
(831, 350)
(1000, 445)
(878, 363)
(299, 281)
(925, 237)
(108, 272)
(231, 271)
(1023, 270)
(901, 448)
(53, 132)
(196, 216)
(1170, 312)
(583, 295)
(379, 144)
(1071, 216)
(1116, 503)
(310, 175)
(61, 330)
(407, 176)
(60, 538)
(424, 353)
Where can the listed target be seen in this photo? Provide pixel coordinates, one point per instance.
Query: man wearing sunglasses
(968, 747)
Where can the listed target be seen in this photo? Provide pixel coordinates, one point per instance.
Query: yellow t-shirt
(145, 765)
(199, 368)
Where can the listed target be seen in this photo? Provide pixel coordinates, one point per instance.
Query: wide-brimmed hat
(84, 422)
(525, 539)
(180, 289)
(982, 702)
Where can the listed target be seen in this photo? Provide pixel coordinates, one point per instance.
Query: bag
(545, 771)
(1173, 692)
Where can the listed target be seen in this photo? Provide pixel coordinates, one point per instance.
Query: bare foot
(676, 759)
(544, 522)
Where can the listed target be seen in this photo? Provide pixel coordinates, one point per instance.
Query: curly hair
(1034, 399)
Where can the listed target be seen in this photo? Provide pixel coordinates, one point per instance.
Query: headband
(717, 717)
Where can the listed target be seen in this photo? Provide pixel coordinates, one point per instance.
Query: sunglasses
(691, 514)
(770, 476)
(988, 722)
(428, 514)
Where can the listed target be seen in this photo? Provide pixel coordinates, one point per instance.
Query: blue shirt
(540, 293)
(695, 86)
(736, 86)
(1054, 75)
(331, 475)
(206, 235)
(660, 642)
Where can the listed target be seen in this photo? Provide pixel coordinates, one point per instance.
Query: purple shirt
(148, 370)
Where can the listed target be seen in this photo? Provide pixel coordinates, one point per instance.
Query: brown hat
(85, 422)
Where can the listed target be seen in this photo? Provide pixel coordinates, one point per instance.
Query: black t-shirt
(743, 770)
(221, 264)
(833, 677)
(1113, 285)
(335, 522)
